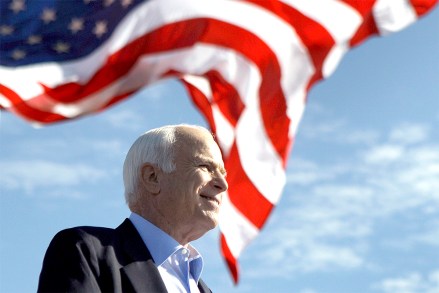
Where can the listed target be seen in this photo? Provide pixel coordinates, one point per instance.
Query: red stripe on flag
(243, 194)
(225, 96)
(21, 108)
(229, 258)
(364, 7)
(65, 93)
(423, 6)
(368, 27)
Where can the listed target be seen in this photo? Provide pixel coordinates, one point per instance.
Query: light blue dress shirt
(180, 267)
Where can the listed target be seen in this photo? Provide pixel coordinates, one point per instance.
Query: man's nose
(220, 183)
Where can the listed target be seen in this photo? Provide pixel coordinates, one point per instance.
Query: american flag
(247, 66)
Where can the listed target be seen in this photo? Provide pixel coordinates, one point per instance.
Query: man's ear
(149, 178)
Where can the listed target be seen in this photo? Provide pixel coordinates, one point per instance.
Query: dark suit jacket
(94, 259)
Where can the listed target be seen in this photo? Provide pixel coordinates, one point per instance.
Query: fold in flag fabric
(247, 66)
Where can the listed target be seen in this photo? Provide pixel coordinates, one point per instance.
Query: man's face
(191, 195)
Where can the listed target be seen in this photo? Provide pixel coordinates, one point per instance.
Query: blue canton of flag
(49, 30)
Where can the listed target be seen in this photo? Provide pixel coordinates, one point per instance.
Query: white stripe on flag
(235, 227)
(257, 153)
(328, 11)
(393, 15)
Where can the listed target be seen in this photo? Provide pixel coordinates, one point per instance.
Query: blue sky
(359, 213)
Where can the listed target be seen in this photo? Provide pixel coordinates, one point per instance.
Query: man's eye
(205, 167)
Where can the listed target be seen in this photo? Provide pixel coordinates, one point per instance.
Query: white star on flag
(48, 15)
(100, 28)
(76, 25)
(17, 6)
(62, 47)
(34, 39)
(18, 54)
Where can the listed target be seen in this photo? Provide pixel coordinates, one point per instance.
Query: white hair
(155, 146)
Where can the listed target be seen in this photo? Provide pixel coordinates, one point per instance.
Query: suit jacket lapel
(203, 287)
(140, 270)
(142, 277)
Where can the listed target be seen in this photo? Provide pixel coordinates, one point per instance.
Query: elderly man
(174, 180)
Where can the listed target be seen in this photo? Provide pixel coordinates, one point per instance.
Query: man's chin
(211, 220)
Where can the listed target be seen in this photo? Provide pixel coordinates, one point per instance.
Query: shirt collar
(195, 263)
(162, 246)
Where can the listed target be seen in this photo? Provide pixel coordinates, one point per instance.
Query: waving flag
(247, 65)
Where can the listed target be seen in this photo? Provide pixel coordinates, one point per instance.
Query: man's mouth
(211, 198)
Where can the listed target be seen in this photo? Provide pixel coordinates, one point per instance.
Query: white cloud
(62, 147)
(409, 133)
(322, 130)
(328, 129)
(411, 283)
(327, 257)
(40, 147)
(359, 137)
(383, 154)
(32, 174)
(409, 178)
(306, 172)
(286, 251)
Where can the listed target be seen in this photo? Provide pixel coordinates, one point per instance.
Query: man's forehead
(196, 138)
(211, 159)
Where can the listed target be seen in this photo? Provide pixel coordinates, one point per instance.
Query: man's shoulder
(89, 234)
(85, 232)
(82, 236)
(88, 230)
